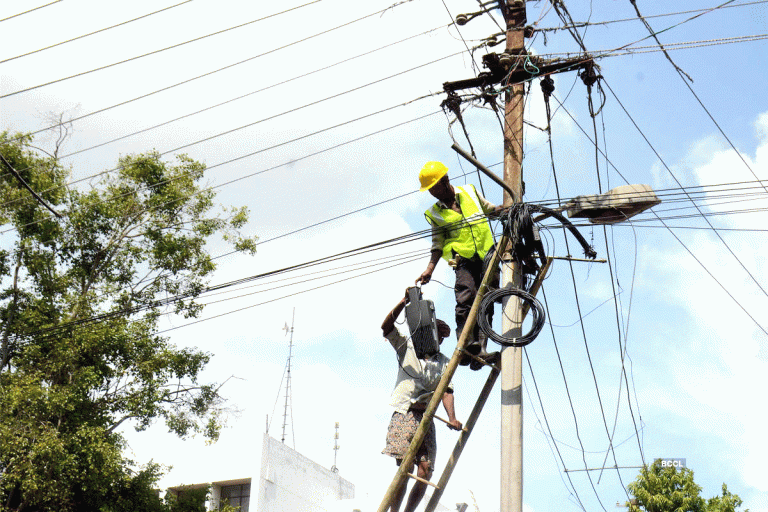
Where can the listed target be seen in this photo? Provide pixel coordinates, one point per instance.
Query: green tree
(79, 307)
(188, 500)
(728, 502)
(668, 489)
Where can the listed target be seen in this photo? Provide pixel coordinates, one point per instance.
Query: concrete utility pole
(512, 357)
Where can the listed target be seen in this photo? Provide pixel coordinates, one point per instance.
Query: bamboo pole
(462, 441)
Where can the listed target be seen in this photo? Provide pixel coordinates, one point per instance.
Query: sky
(319, 118)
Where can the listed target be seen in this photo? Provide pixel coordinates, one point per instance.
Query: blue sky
(696, 363)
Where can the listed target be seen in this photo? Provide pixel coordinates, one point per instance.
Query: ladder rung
(447, 423)
(422, 480)
(481, 360)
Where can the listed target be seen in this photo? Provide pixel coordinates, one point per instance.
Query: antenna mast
(335, 449)
(288, 386)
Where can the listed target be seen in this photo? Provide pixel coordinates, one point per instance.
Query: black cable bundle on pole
(527, 247)
(508, 341)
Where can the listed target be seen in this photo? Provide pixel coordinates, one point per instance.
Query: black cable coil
(535, 308)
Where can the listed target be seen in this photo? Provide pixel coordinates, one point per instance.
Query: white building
(289, 482)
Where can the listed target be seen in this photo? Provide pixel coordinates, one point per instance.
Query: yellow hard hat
(431, 174)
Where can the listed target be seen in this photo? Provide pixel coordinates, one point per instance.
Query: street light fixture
(616, 205)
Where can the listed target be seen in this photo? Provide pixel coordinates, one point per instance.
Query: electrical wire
(535, 308)
(549, 429)
(680, 73)
(565, 16)
(123, 312)
(205, 74)
(272, 300)
(155, 52)
(249, 94)
(92, 33)
(683, 45)
(669, 171)
(608, 22)
(28, 11)
(700, 263)
(262, 171)
(270, 118)
(315, 103)
(622, 349)
(570, 399)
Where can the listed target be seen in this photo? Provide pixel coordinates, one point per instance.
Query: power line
(25, 185)
(471, 55)
(549, 429)
(608, 22)
(289, 162)
(566, 16)
(249, 94)
(28, 11)
(678, 182)
(683, 45)
(100, 68)
(124, 312)
(701, 228)
(754, 320)
(402, 259)
(203, 75)
(680, 73)
(315, 103)
(398, 257)
(91, 33)
(570, 399)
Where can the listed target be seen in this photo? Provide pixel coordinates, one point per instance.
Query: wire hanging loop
(590, 77)
(534, 306)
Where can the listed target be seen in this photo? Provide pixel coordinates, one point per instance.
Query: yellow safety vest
(465, 233)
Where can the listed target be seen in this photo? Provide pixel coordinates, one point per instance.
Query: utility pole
(510, 70)
(511, 485)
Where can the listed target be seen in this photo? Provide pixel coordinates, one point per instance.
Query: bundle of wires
(526, 245)
(535, 308)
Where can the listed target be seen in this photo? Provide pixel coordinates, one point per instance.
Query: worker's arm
(490, 209)
(496, 212)
(389, 322)
(448, 404)
(427, 274)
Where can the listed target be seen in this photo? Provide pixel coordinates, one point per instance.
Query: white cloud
(722, 360)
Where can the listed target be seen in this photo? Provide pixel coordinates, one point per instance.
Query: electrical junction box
(420, 315)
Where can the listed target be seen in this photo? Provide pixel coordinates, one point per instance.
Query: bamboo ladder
(402, 472)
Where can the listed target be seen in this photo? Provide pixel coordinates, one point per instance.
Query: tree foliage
(79, 306)
(668, 489)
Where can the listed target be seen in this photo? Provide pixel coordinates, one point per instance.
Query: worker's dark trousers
(469, 275)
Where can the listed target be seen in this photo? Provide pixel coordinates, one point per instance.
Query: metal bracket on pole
(485, 171)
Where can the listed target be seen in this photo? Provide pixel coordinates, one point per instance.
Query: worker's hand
(425, 277)
(455, 424)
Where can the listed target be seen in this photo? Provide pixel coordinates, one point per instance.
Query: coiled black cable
(535, 308)
(519, 226)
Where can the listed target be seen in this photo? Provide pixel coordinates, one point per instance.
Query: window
(236, 495)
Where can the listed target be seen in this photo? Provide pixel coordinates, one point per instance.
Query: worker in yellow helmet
(460, 233)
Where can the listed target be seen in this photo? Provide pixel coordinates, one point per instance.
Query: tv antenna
(335, 448)
(288, 404)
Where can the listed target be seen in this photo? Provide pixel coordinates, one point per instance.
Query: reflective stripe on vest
(465, 233)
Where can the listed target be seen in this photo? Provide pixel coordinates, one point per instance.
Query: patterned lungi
(402, 428)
